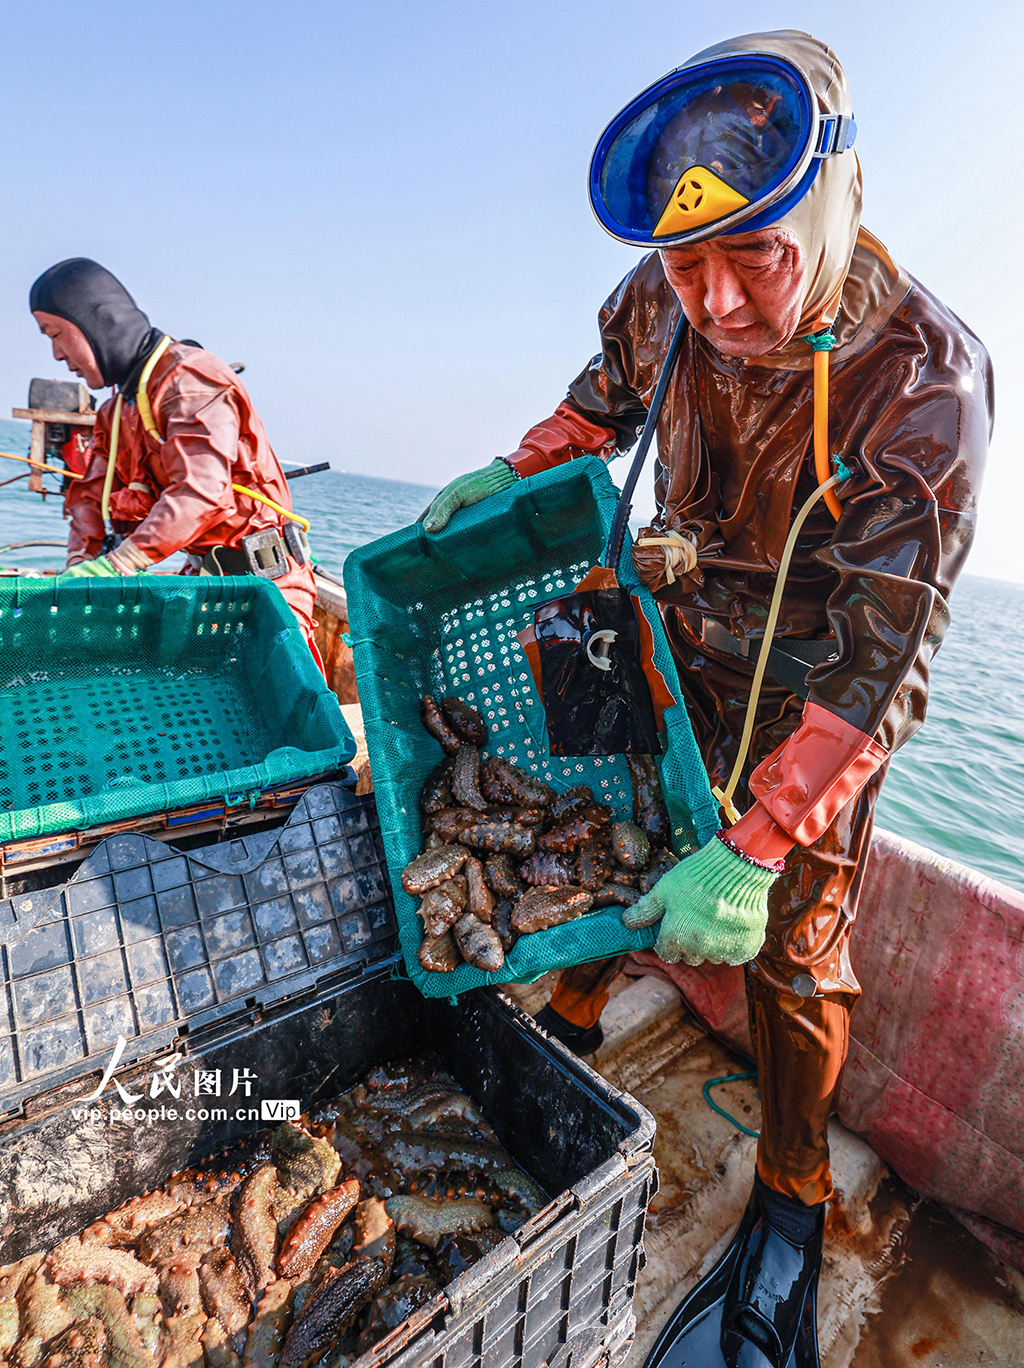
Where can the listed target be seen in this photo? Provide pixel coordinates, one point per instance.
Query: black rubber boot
(582, 1040)
(757, 1307)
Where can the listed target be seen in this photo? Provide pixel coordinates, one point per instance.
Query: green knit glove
(713, 905)
(102, 566)
(467, 489)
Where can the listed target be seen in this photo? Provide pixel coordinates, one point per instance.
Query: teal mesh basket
(441, 615)
(130, 696)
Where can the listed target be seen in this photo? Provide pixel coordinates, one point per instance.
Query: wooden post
(37, 452)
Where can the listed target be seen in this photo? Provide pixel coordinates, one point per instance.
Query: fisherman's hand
(127, 559)
(102, 567)
(467, 489)
(713, 907)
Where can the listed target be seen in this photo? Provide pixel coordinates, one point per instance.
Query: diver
(193, 469)
(738, 169)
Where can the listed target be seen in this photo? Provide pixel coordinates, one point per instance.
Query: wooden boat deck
(903, 1284)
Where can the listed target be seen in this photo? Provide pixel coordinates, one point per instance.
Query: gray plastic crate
(146, 941)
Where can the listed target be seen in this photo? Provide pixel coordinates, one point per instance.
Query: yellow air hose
(148, 422)
(262, 498)
(821, 454)
(145, 413)
(108, 479)
(822, 343)
(142, 397)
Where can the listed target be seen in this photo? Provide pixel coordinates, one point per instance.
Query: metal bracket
(297, 543)
(836, 134)
(265, 553)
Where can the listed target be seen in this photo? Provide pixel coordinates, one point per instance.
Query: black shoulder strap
(618, 533)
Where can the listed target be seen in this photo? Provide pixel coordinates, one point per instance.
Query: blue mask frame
(692, 116)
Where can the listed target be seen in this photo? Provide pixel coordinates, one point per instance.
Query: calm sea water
(957, 786)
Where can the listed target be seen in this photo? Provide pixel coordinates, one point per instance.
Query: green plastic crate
(441, 615)
(129, 696)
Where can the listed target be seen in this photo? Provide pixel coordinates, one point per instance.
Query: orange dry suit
(911, 404)
(174, 493)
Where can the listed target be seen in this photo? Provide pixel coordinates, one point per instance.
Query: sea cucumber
(179, 1285)
(434, 721)
(420, 1152)
(185, 1334)
(217, 1348)
(394, 1304)
(479, 944)
(503, 782)
(73, 1262)
(198, 1227)
(225, 1294)
(479, 898)
(544, 907)
(594, 863)
(343, 1291)
(126, 1223)
(451, 822)
(571, 834)
(43, 1315)
(547, 869)
(649, 811)
(438, 954)
(443, 906)
(630, 845)
(501, 876)
(147, 1315)
(501, 921)
(437, 791)
(428, 1220)
(614, 894)
(314, 1230)
(660, 863)
(433, 867)
(79, 1346)
(267, 1331)
(501, 838)
(125, 1348)
(453, 1104)
(254, 1236)
(464, 719)
(306, 1163)
(518, 1185)
(570, 802)
(466, 779)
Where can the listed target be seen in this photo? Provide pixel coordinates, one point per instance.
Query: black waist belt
(260, 553)
(790, 660)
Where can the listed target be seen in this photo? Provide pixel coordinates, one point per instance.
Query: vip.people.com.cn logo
(166, 1082)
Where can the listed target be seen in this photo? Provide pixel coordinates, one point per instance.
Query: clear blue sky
(382, 208)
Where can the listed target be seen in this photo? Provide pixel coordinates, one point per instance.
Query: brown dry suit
(176, 494)
(911, 404)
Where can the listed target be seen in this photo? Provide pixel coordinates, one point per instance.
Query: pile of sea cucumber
(310, 1243)
(506, 856)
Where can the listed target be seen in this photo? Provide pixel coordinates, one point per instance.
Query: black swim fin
(723, 1322)
(582, 1040)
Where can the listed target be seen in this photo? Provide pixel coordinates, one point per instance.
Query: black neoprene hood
(86, 294)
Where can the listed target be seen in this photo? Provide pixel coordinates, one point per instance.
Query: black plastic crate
(558, 1291)
(274, 956)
